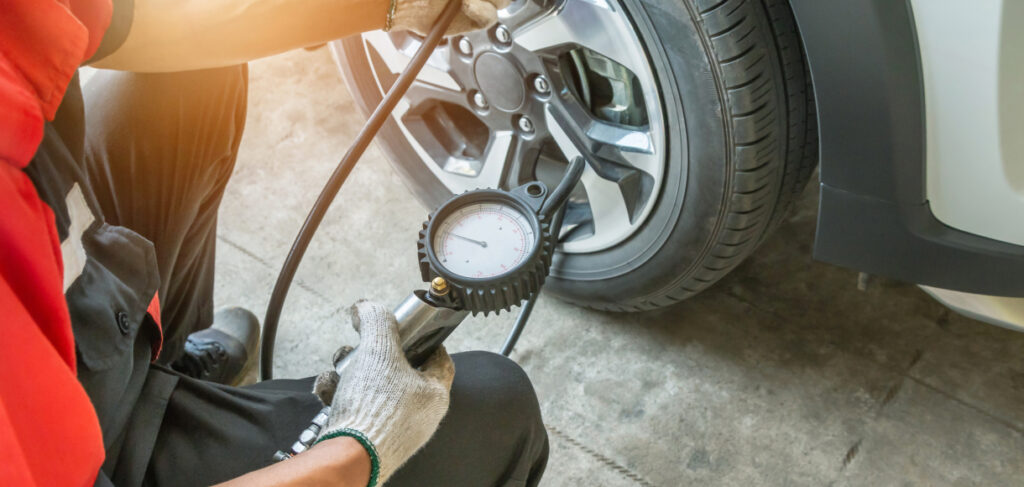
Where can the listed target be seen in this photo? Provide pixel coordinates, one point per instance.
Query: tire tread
(768, 99)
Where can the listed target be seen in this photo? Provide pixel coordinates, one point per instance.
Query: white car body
(972, 59)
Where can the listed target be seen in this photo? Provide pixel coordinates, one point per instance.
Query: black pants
(160, 149)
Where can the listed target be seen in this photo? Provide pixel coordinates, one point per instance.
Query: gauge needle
(478, 242)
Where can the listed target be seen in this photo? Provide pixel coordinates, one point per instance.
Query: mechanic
(110, 370)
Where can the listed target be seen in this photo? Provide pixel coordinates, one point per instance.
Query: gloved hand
(419, 15)
(381, 401)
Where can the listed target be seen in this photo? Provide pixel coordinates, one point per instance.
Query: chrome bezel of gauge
(502, 291)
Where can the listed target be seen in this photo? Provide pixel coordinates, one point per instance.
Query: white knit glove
(419, 15)
(381, 401)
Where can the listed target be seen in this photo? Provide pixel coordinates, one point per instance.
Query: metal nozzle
(439, 286)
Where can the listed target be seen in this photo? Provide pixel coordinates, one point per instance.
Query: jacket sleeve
(49, 432)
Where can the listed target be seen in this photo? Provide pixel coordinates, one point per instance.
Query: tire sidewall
(682, 227)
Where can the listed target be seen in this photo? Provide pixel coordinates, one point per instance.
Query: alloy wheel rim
(548, 83)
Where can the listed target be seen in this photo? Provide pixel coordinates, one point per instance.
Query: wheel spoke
(522, 161)
(495, 161)
(519, 13)
(593, 24)
(608, 209)
(579, 133)
(436, 71)
(489, 171)
(563, 133)
(624, 145)
(420, 92)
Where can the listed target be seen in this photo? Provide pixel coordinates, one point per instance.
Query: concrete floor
(781, 374)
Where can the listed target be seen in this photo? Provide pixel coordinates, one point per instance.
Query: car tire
(740, 128)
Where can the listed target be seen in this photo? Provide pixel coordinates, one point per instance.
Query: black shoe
(225, 352)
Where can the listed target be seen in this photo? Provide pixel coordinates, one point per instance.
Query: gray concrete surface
(781, 374)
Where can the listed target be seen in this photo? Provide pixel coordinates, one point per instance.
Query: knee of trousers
(192, 115)
(497, 393)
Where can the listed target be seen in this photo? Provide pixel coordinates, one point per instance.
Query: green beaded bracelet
(363, 440)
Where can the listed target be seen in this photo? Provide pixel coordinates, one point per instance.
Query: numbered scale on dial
(490, 245)
(484, 240)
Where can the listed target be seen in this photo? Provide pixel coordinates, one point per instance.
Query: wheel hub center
(500, 81)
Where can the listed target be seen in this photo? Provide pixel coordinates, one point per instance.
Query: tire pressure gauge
(482, 251)
(491, 246)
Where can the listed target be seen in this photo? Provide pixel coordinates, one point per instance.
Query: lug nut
(479, 100)
(526, 125)
(465, 47)
(502, 34)
(541, 84)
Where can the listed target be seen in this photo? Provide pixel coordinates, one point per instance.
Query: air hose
(337, 179)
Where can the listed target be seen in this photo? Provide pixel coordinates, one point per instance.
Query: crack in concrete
(612, 465)
(264, 263)
(890, 394)
(904, 372)
(895, 389)
(978, 409)
(851, 453)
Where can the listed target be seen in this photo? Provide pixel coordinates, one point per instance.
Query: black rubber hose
(555, 203)
(323, 202)
(520, 324)
(561, 192)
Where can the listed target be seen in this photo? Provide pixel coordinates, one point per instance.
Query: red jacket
(49, 432)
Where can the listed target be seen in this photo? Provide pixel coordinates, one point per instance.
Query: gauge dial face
(483, 240)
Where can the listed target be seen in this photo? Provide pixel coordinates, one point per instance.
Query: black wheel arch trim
(873, 212)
